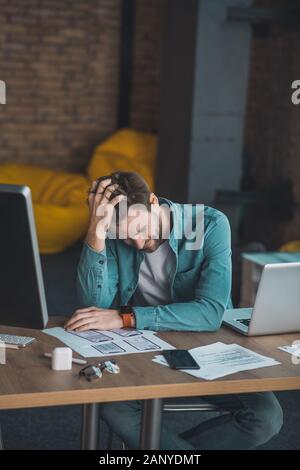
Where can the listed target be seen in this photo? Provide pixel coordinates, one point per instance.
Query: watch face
(125, 309)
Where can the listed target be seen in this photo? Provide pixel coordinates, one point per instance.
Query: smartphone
(180, 359)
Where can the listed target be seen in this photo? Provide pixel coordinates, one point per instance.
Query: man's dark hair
(132, 185)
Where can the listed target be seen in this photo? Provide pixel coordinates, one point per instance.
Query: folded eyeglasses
(92, 372)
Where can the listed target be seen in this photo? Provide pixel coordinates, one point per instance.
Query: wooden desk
(27, 380)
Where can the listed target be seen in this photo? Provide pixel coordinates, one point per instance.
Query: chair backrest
(1, 440)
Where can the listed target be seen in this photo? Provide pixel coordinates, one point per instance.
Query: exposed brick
(272, 126)
(60, 60)
(146, 65)
(60, 63)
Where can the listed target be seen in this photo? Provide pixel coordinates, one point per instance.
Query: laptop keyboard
(244, 321)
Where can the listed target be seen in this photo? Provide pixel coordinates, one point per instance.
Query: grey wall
(176, 97)
(205, 67)
(219, 99)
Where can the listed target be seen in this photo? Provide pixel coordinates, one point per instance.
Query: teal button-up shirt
(200, 287)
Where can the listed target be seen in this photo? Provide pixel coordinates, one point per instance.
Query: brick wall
(60, 61)
(146, 65)
(272, 137)
(291, 230)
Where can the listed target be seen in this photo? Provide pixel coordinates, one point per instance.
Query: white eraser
(62, 359)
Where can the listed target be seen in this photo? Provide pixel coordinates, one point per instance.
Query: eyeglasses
(92, 372)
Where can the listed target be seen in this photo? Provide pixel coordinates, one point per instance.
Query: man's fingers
(97, 189)
(103, 184)
(90, 326)
(92, 191)
(117, 199)
(79, 322)
(85, 309)
(77, 316)
(102, 197)
(93, 187)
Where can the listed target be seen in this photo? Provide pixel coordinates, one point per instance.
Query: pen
(74, 359)
(8, 346)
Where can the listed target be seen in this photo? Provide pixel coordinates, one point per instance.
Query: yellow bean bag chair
(126, 150)
(61, 214)
(291, 247)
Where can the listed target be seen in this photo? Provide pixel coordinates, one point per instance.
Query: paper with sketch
(128, 332)
(96, 343)
(94, 336)
(142, 343)
(219, 359)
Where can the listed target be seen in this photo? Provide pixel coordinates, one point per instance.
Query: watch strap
(126, 312)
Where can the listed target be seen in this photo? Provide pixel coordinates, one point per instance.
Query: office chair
(1, 440)
(177, 407)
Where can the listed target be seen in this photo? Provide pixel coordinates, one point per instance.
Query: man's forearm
(94, 241)
(196, 315)
(92, 279)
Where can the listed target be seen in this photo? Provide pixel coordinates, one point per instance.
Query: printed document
(219, 359)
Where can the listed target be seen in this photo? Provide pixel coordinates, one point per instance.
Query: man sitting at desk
(173, 267)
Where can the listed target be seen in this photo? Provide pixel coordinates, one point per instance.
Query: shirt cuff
(146, 318)
(92, 257)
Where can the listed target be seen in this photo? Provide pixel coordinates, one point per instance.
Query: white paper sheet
(219, 359)
(293, 349)
(145, 341)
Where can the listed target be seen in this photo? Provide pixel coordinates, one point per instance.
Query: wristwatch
(127, 315)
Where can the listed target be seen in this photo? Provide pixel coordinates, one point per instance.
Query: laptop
(277, 304)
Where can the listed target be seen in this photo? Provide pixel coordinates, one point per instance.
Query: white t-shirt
(155, 276)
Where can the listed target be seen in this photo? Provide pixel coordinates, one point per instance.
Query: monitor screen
(22, 297)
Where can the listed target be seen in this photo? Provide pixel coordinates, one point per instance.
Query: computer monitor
(22, 296)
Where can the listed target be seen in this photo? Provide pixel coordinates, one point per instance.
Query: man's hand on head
(93, 318)
(99, 198)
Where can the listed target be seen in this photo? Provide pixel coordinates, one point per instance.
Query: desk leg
(151, 424)
(90, 426)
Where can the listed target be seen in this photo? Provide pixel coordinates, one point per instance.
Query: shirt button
(129, 289)
(101, 262)
(99, 285)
